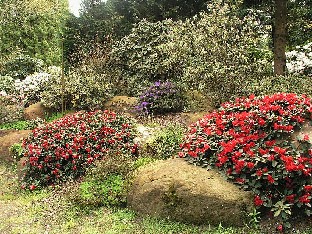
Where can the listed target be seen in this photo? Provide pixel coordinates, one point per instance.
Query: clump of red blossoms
(250, 141)
(64, 148)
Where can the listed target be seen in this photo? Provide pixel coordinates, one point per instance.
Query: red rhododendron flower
(291, 198)
(306, 137)
(258, 201)
(305, 198)
(250, 139)
(259, 172)
(240, 180)
(279, 228)
(270, 179)
(308, 188)
(250, 165)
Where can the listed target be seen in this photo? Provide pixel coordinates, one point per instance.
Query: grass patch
(18, 125)
(52, 210)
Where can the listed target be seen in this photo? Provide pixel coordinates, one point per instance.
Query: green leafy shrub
(288, 84)
(54, 116)
(23, 124)
(21, 66)
(19, 125)
(215, 53)
(107, 182)
(109, 192)
(17, 151)
(197, 101)
(6, 85)
(165, 143)
(250, 142)
(65, 148)
(160, 98)
(142, 161)
(83, 90)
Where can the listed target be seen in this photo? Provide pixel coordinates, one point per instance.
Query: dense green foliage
(101, 21)
(165, 142)
(289, 84)
(83, 89)
(299, 18)
(35, 27)
(215, 52)
(20, 66)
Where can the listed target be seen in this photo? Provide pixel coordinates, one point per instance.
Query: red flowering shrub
(64, 148)
(250, 141)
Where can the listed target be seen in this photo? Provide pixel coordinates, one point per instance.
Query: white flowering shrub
(299, 61)
(32, 86)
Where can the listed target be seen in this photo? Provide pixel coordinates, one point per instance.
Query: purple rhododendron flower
(157, 83)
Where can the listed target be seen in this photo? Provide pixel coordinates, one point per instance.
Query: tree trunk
(280, 35)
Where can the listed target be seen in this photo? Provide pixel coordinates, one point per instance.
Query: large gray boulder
(179, 191)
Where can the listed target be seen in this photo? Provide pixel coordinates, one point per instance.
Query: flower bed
(250, 141)
(64, 148)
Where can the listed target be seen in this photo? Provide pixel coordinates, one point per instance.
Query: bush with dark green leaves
(21, 66)
(299, 84)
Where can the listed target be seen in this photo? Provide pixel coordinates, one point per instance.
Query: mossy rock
(191, 117)
(121, 104)
(7, 139)
(198, 101)
(179, 191)
(34, 111)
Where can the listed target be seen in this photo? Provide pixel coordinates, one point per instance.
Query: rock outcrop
(179, 191)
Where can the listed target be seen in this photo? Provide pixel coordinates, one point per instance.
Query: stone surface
(144, 134)
(34, 111)
(7, 140)
(121, 104)
(179, 191)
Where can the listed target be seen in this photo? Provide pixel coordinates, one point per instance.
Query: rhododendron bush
(251, 141)
(160, 98)
(64, 148)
